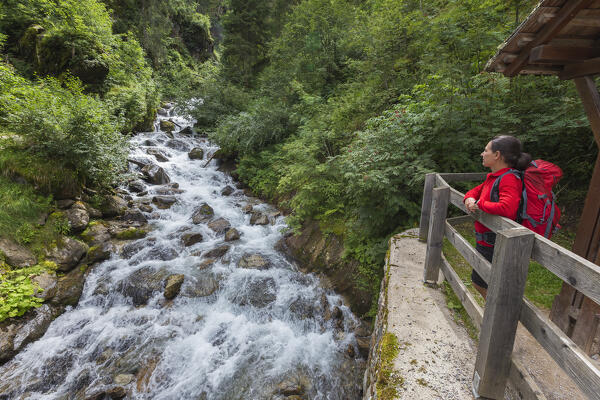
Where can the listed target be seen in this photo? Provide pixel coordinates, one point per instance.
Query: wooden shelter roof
(559, 37)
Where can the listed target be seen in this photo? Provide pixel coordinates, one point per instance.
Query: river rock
(206, 263)
(135, 216)
(146, 208)
(163, 111)
(290, 387)
(167, 126)
(202, 287)
(116, 393)
(196, 153)
(253, 261)
(231, 235)
(155, 175)
(78, 219)
(168, 190)
(187, 131)
(64, 204)
(136, 186)
(190, 239)
(129, 233)
(16, 255)
(96, 234)
(220, 225)
(302, 308)
(113, 206)
(123, 379)
(258, 292)
(217, 252)
(164, 202)
(247, 209)
(149, 142)
(227, 190)
(67, 253)
(173, 285)
(259, 218)
(176, 144)
(69, 288)
(142, 284)
(202, 213)
(100, 252)
(46, 285)
(94, 212)
(158, 154)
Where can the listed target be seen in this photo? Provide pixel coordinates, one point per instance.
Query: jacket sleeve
(510, 196)
(474, 193)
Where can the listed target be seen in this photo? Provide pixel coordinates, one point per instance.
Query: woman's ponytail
(523, 161)
(512, 151)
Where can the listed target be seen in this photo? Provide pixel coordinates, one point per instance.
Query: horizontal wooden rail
(578, 272)
(473, 257)
(467, 176)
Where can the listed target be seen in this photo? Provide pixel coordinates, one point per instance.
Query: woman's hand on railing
(471, 204)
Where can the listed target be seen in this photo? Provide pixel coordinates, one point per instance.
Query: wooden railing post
(435, 237)
(426, 206)
(502, 310)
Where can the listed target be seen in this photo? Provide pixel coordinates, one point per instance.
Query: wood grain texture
(563, 350)
(502, 309)
(437, 222)
(426, 206)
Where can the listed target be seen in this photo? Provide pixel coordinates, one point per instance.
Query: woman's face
(489, 157)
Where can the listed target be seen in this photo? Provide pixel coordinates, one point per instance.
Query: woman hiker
(501, 154)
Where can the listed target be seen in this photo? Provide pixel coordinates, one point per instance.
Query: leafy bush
(62, 123)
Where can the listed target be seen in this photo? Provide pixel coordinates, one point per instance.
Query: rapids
(258, 329)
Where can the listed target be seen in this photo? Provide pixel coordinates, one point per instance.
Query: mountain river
(271, 332)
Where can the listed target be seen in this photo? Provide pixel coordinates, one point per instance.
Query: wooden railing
(506, 277)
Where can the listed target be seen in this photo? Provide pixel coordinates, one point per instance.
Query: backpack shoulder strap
(495, 193)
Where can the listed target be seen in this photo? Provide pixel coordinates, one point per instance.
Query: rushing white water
(259, 328)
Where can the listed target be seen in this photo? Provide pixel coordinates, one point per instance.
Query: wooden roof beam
(562, 54)
(548, 32)
(587, 68)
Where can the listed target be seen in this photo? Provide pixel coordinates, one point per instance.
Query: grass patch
(21, 208)
(459, 312)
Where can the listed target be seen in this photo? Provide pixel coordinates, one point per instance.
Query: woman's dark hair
(511, 150)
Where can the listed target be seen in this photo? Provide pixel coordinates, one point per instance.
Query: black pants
(488, 253)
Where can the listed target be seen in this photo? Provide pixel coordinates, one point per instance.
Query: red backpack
(538, 210)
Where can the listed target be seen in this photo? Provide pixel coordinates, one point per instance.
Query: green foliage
(64, 124)
(21, 207)
(17, 290)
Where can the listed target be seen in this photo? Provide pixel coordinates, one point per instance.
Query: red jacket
(510, 196)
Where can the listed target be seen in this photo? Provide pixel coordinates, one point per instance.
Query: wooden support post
(502, 310)
(435, 237)
(426, 206)
(591, 102)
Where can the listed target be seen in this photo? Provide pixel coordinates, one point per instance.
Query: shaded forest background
(333, 109)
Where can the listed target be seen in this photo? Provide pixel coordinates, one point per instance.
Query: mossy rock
(132, 233)
(167, 126)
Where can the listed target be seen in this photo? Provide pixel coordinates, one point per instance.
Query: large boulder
(113, 206)
(16, 255)
(69, 288)
(164, 202)
(220, 225)
(158, 154)
(253, 261)
(134, 216)
(96, 234)
(190, 239)
(257, 291)
(259, 218)
(216, 252)
(100, 252)
(203, 213)
(78, 218)
(196, 153)
(155, 175)
(167, 126)
(173, 285)
(231, 235)
(136, 186)
(187, 131)
(46, 285)
(227, 190)
(67, 253)
(142, 284)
